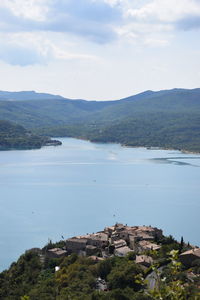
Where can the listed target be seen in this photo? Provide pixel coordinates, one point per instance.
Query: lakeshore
(81, 185)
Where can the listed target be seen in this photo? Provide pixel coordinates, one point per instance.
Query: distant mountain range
(167, 118)
(26, 95)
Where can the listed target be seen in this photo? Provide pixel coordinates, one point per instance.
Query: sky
(99, 49)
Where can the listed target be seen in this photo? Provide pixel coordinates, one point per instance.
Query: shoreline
(129, 146)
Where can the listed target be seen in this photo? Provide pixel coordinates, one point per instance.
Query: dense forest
(167, 119)
(155, 130)
(13, 136)
(34, 276)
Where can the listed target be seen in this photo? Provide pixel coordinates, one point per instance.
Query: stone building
(120, 236)
(122, 251)
(91, 250)
(99, 239)
(146, 245)
(188, 257)
(56, 253)
(132, 234)
(76, 244)
(119, 243)
(144, 260)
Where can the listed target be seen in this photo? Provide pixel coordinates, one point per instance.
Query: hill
(168, 118)
(14, 136)
(116, 265)
(26, 95)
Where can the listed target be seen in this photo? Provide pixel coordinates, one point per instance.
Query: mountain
(14, 136)
(26, 95)
(168, 118)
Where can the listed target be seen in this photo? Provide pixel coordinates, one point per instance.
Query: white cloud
(165, 10)
(115, 2)
(148, 34)
(156, 22)
(34, 48)
(30, 26)
(156, 42)
(28, 9)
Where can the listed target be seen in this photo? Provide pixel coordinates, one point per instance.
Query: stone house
(119, 236)
(91, 250)
(109, 230)
(133, 240)
(114, 236)
(120, 231)
(56, 253)
(99, 239)
(124, 234)
(188, 257)
(146, 245)
(96, 240)
(122, 251)
(147, 232)
(120, 227)
(76, 244)
(119, 243)
(144, 260)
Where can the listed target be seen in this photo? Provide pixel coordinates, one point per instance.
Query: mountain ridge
(33, 95)
(166, 119)
(22, 95)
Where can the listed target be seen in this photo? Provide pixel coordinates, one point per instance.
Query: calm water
(82, 187)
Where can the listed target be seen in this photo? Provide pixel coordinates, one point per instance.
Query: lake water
(81, 187)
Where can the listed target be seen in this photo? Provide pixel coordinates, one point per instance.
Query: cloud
(95, 20)
(90, 19)
(165, 10)
(25, 49)
(156, 22)
(189, 23)
(145, 22)
(23, 25)
(29, 9)
(156, 42)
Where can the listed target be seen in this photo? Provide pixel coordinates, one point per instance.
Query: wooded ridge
(166, 119)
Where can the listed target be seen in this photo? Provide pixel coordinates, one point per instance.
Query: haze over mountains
(168, 118)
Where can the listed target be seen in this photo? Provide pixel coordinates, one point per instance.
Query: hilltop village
(118, 263)
(120, 240)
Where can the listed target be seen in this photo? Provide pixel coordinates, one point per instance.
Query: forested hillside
(169, 119)
(14, 136)
(37, 276)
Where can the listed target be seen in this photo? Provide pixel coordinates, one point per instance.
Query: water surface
(82, 187)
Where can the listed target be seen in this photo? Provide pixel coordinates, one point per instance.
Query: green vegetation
(14, 136)
(156, 130)
(166, 119)
(33, 277)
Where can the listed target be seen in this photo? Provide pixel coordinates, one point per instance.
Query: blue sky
(99, 49)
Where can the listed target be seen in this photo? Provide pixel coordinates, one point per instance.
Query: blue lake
(82, 187)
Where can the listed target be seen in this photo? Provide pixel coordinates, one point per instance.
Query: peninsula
(14, 136)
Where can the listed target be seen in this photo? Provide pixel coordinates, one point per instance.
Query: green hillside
(14, 136)
(168, 118)
(34, 275)
(39, 113)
